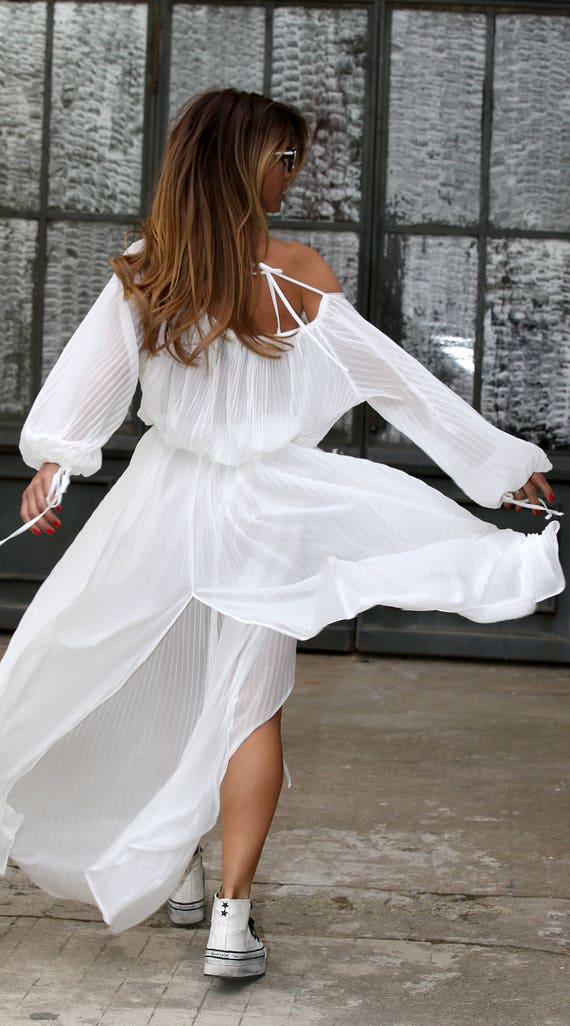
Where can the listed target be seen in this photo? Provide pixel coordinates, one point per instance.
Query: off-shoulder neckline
(295, 331)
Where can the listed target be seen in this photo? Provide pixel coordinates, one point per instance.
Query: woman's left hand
(529, 491)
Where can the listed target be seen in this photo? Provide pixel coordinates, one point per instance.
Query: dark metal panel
(405, 635)
(337, 637)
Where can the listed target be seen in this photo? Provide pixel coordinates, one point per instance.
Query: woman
(142, 691)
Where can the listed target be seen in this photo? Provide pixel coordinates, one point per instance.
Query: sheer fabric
(167, 631)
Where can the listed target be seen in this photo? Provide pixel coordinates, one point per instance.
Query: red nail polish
(57, 522)
(50, 530)
(551, 496)
(35, 530)
(58, 507)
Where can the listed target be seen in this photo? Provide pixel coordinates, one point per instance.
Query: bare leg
(249, 795)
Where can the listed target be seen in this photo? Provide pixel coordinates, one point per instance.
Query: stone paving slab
(541, 924)
(416, 873)
(85, 977)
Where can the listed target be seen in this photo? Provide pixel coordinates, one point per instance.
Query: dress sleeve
(484, 461)
(87, 393)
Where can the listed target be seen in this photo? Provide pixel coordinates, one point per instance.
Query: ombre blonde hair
(195, 268)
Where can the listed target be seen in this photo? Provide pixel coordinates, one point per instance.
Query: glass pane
(214, 47)
(22, 31)
(17, 255)
(430, 306)
(339, 249)
(436, 86)
(97, 106)
(319, 64)
(77, 270)
(526, 367)
(530, 155)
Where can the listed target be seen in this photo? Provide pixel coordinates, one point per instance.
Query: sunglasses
(288, 159)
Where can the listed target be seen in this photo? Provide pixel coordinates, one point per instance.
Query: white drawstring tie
(527, 504)
(275, 290)
(58, 486)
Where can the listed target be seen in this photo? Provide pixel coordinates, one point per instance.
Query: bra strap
(271, 286)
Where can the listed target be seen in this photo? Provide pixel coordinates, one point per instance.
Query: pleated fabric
(167, 631)
(112, 809)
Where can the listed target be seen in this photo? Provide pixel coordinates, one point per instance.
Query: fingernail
(551, 496)
(56, 522)
(50, 530)
(35, 530)
(58, 507)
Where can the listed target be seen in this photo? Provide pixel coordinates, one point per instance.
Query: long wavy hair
(195, 269)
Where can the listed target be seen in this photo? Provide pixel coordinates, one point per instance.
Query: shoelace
(527, 504)
(59, 485)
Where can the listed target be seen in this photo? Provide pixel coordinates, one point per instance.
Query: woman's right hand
(34, 500)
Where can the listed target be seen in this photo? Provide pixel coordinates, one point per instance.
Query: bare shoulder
(314, 270)
(306, 265)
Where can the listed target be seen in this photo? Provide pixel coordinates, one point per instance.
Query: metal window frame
(406, 454)
(45, 214)
(372, 231)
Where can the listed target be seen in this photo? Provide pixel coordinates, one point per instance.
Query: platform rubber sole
(186, 913)
(234, 964)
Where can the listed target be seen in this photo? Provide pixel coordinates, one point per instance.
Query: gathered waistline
(208, 458)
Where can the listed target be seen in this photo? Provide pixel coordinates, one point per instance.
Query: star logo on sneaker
(224, 909)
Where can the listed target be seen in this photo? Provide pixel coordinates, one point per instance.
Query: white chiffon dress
(167, 631)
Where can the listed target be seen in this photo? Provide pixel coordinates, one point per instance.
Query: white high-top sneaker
(185, 905)
(233, 948)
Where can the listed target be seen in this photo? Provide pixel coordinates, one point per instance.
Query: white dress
(166, 633)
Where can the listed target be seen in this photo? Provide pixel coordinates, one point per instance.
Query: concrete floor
(416, 873)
